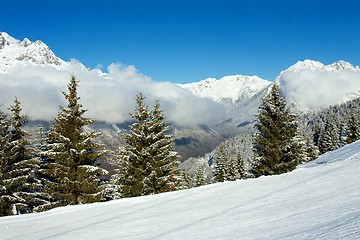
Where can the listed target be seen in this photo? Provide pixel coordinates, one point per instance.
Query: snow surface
(319, 200)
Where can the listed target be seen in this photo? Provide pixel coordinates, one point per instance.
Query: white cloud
(317, 89)
(108, 98)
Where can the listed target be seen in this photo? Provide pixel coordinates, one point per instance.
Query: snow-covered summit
(13, 51)
(316, 65)
(311, 85)
(231, 88)
(341, 65)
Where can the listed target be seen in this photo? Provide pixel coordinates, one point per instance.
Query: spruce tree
(220, 174)
(330, 138)
(148, 158)
(41, 146)
(5, 195)
(199, 176)
(353, 130)
(240, 166)
(19, 186)
(277, 145)
(73, 154)
(311, 151)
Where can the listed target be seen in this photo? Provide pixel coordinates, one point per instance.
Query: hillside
(319, 200)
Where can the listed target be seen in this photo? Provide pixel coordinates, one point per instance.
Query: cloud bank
(107, 98)
(317, 89)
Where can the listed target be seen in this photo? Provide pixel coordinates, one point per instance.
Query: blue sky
(186, 41)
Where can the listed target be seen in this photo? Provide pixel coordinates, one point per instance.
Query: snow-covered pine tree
(277, 145)
(148, 162)
(40, 144)
(220, 165)
(353, 128)
(19, 166)
(199, 179)
(5, 196)
(162, 150)
(342, 135)
(329, 139)
(311, 151)
(232, 169)
(240, 166)
(74, 174)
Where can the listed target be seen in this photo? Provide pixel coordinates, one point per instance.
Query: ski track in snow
(319, 200)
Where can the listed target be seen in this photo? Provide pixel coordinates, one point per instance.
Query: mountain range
(202, 114)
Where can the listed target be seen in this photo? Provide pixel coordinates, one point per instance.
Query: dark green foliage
(277, 145)
(148, 158)
(19, 187)
(74, 177)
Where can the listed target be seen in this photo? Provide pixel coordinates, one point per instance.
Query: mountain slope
(319, 200)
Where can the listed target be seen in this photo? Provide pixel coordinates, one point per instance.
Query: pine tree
(311, 151)
(342, 135)
(18, 178)
(41, 143)
(185, 181)
(5, 195)
(220, 174)
(277, 145)
(148, 158)
(329, 139)
(199, 176)
(163, 153)
(232, 169)
(353, 131)
(240, 166)
(72, 167)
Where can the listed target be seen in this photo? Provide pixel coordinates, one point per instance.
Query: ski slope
(319, 200)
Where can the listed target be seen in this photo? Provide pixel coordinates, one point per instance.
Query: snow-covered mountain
(311, 86)
(315, 65)
(13, 51)
(318, 200)
(238, 88)
(233, 88)
(204, 112)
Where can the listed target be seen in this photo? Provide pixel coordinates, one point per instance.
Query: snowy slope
(319, 200)
(233, 88)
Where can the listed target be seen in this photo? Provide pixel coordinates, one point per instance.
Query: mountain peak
(306, 64)
(229, 88)
(340, 65)
(26, 42)
(6, 40)
(12, 51)
(315, 65)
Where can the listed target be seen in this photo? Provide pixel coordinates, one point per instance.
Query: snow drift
(319, 200)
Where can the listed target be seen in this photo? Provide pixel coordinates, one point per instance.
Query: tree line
(62, 168)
